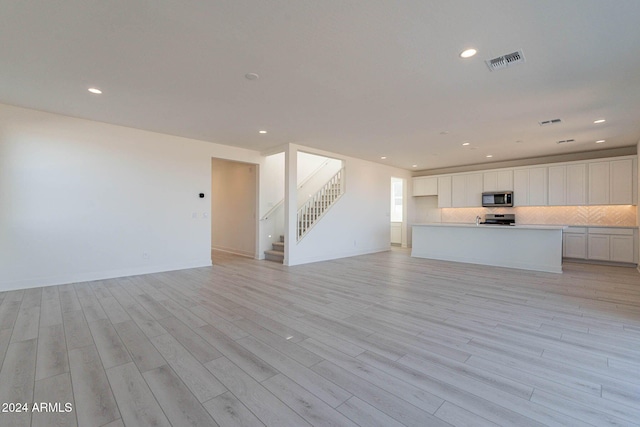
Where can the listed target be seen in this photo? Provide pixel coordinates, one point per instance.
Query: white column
(290, 202)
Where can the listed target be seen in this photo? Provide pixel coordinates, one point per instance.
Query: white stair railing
(319, 203)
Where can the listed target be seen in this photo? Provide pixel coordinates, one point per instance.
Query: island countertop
(516, 226)
(528, 247)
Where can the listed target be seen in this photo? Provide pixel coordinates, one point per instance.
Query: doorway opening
(397, 210)
(234, 201)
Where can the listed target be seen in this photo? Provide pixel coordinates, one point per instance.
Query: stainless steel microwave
(497, 198)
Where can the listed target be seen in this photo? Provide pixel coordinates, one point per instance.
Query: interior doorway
(234, 201)
(397, 210)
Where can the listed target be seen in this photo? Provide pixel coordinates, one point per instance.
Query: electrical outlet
(194, 215)
(145, 256)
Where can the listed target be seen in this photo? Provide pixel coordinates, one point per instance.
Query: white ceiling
(365, 78)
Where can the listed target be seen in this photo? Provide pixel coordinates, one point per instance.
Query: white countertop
(507, 227)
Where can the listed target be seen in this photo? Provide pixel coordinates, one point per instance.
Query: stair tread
(278, 244)
(273, 252)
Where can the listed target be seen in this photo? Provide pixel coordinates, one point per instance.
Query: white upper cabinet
(576, 188)
(568, 185)
(459, 191)
(590, 182)
(557, 185)
(611, 182)
(444, 192)
(621, 182)
(474, 190)
(538, 186)
(530, 186)
(466, 190)
(425, 186)
(498, 180)
(599, 183)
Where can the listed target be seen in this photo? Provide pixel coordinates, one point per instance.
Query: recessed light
(383, 158)
(465, 143)
(489, 155)
(599, 121)
(251, 76)
(414, 166)
(95, 90)
(468, 53)
(262, 131)
(600, 141)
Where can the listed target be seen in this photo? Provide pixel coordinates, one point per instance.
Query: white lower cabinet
(621, 248)
(601, 244)
(574, 243)
(599, 247)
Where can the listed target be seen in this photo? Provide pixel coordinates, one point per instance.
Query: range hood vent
(550, 122)
(564, 141)
(505, 61)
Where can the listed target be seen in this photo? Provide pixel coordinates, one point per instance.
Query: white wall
(82, 200)
(358, 223)
(233, 207)
(271, 193)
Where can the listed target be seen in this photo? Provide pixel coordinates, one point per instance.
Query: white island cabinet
(528, 247)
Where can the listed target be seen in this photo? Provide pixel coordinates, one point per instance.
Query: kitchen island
(528, 247)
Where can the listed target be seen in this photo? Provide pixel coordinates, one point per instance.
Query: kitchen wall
(618, 215)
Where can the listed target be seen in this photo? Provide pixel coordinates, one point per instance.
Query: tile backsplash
(614, 215)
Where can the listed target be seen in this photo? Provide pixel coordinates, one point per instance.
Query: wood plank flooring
(374, 340)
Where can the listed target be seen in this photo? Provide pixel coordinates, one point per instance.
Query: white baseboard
(309, 260)
(90, 276)
(233, 251)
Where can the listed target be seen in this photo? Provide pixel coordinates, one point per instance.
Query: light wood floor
(376, 340)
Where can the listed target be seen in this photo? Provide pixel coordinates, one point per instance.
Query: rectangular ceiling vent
(505, 61)
(564, 141)
(550, 122)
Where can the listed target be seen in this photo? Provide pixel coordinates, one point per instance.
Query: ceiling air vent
(550, 122)
(505, 61)
(564, 141)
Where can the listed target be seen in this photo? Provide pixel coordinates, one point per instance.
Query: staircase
(311, 212)
(277, 251)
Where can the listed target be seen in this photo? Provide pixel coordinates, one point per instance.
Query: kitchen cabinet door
(459, 191)
(444, 192)
(621, 249)
(425, 186)
(575, 245)
(557, 185)
(505, 180)
(621, 182)
(599, 183)
(599, 247)
(538, 186)
(501, 180)
(490, 181)
(474, 190)
(576, 188)
(521, 187)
